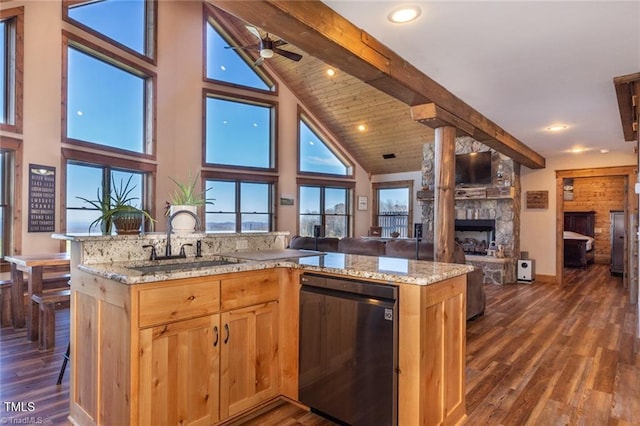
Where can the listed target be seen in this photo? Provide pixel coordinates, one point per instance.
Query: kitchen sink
(182, 266)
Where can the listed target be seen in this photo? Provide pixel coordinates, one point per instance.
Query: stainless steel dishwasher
(348, 350)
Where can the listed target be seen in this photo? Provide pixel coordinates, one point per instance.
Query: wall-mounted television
(473, 168)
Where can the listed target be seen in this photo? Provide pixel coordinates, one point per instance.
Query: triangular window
(229, 65)
(316, 156)
(124, 21)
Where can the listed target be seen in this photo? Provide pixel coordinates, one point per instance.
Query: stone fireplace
(480, 208)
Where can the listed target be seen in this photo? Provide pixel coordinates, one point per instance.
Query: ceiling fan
(266, 47)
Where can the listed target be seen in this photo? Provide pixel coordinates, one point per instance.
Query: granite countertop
(386, 269)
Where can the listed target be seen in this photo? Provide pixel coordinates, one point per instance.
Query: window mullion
(238, 208)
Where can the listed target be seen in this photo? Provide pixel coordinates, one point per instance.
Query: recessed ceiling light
(331, 72)
(577, 150)
(557, 127)
(604, 151)
(404, 14)
(362, 127)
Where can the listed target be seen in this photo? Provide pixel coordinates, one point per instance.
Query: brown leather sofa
(476, 298)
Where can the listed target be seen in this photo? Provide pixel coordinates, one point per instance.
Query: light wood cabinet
(179, 380)
(191, 351)
(249, 357)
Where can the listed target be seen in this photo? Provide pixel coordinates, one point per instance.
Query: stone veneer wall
(120, 248)
(506, 212)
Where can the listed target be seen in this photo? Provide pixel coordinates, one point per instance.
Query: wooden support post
(444, 194)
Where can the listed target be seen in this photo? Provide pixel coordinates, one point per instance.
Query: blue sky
(105, 105)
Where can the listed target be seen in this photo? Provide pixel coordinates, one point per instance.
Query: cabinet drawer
(249, 289)
(185, 300)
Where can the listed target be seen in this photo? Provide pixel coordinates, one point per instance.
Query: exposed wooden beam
(628, 94)
(319, 31)
(444, 195)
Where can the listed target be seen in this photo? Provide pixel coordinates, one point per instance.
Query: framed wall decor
(363, 202)
(42, 198)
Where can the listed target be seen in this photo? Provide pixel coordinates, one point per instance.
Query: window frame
(70, 40)
(238, 179)
(151, 30)
(323, 184)
(327, 141)
(13, 227)
(215, 18)
(376, 202)
(273, 131)
(15, 74)
(91, 159)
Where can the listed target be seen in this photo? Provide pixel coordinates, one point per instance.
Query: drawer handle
(226, 328)
(215, 331)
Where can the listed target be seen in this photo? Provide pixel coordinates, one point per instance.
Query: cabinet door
(249, 357)
(179, 364)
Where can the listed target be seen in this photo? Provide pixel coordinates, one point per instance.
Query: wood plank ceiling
(343, 102)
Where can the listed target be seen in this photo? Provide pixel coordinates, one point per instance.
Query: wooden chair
(47, 319)
(5, 303)
(375, 231)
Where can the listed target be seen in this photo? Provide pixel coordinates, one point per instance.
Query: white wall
(179, 110)
(538, 226)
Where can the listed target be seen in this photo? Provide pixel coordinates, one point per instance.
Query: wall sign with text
(42, 198)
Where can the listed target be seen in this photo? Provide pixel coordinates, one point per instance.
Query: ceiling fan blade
(250, 47)
(291, 55)
(278, 43)
(254, 31)
(258, 62)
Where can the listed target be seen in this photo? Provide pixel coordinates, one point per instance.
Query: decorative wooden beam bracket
(320, 32)
(628, 92)
(435, 116)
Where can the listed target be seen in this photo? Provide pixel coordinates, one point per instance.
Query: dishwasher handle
(380, 291)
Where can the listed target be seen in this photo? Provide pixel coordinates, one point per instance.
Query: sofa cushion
(308, 243)
(361, 246)
(407, 249)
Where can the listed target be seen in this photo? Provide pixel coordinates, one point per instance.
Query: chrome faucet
(167, 250)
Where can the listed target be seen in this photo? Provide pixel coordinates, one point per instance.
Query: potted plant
(186, 197)
(117, 209)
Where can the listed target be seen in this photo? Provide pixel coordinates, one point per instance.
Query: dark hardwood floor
(547, 354)
(543, 354)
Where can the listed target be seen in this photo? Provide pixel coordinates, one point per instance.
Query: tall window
(239, 133)
(4, 71)
(125, 22)
(230, 65)
(106, 104)
(325, 206)
(393, 208)
(11, 36)
(10, 196)
(90, 181)
(5, 203)
(315, 155)
(239, 206)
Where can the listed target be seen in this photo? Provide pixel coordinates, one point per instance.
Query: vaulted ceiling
(343, 102)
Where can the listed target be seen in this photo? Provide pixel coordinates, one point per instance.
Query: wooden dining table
(34, 265)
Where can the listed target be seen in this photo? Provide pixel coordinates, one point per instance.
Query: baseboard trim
(548, 279)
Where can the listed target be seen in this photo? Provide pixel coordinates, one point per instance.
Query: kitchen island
(201, 345)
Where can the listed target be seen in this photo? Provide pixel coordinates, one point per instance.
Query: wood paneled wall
(600, 194)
